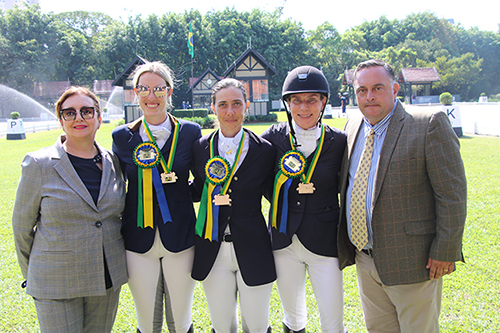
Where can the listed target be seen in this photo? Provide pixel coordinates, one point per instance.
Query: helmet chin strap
(323, 109)
(290, 125)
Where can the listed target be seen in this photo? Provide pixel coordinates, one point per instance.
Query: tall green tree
(457, 75)
(28, 41)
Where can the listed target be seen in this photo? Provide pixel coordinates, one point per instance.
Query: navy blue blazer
(312, 217)
(251, 239)
(177, 235)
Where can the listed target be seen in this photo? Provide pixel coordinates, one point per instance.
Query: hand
(439, 268)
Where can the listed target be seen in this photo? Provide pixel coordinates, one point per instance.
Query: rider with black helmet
(305, 211)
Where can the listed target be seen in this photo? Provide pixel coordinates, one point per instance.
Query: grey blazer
(60, 235)
(419, 200)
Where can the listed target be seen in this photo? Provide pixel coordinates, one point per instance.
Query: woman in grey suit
(66, 223)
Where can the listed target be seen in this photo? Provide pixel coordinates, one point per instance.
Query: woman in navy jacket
(158, 221)
(233, 252)
(305, 211)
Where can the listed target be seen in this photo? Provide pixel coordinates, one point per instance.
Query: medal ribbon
(282, 179)
(167, 167)
(208, 213)
(307, 178)
(149, 178)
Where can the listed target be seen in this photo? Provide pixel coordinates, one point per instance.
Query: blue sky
(311, 13)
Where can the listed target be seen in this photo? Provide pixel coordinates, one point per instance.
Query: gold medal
(168, 178)
(307, 188)
(222, 200)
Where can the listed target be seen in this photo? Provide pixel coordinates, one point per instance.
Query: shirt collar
(166, 124)
(235, 140)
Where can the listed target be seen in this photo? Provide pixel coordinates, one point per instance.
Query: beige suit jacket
(419, 200)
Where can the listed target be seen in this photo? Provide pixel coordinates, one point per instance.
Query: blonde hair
(160, 69)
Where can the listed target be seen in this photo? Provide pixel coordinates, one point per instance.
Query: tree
(457, 75)
(28, 40)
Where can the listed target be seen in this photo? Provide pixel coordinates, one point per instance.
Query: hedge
(189, 113)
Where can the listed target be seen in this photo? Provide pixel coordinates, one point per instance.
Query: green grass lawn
(471, 296)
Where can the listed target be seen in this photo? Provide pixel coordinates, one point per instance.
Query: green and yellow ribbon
(285, 176)
(147, 155)
(218, 177)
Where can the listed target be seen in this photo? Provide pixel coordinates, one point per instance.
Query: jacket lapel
(107, 166)
(67, 173)
(353, 134)
(168, 144)
(135, 137)
(391, 139)
(253, 151)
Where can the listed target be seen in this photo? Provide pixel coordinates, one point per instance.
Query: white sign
(453, 113)
(15, 126)
(328, 110)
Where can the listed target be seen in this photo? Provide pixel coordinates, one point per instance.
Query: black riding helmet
(304, 79)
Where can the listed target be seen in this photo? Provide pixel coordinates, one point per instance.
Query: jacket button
(229, 218)
(235, 178)
(98, 224)
(298, 203)
(229, 191)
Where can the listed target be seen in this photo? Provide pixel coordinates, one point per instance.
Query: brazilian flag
(190, 41)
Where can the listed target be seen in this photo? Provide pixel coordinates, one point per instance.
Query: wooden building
(47, 93)
(254, 72)
(200, 89)
(411, 78)
(131, 108)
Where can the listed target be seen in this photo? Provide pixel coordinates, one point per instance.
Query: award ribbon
(292, 165)
(218, 177)
(307, 178)
(147, 156)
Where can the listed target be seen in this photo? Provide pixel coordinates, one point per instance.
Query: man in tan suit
(413, 207)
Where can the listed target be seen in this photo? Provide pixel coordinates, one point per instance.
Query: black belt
(227, 238)
(368, 252)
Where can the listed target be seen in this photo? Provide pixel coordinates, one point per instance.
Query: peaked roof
(419, 75)
(120, 80)
(271, 70)
(202, 76)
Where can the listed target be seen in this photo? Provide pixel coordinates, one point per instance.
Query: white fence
(32, 126)
(476, 118)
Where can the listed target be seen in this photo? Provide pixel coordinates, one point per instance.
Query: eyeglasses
(87, 112)
(159, 91)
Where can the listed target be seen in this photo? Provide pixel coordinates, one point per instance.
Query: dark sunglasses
(87, 112)
(143, 91)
